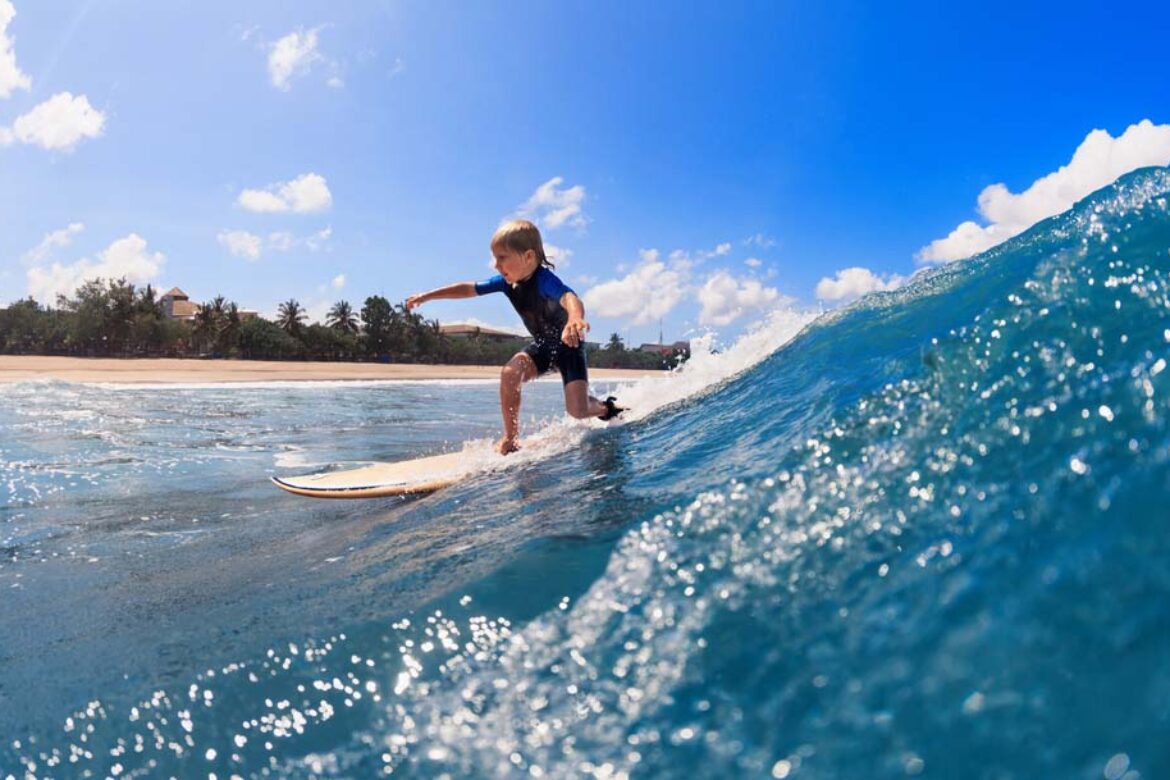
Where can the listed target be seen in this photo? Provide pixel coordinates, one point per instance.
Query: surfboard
(417, 476)
(421, 475)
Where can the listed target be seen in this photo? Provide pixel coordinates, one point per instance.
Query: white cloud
(305, 194)
(318, 310)
(283, 241)
(57, 124)
(649, 292)
(656, 286)
(683, 258)
(127, 257)
(250, 246)
(241, 243)
(319, 239)
(1099, 160)
(753, 262)
(11, 77)
(560, 256)
(293, 55)
(725, 299)
(760, 240)
(553, 207)
(853, 283)
(56, 240)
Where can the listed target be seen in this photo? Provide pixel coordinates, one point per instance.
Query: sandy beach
(22, 368)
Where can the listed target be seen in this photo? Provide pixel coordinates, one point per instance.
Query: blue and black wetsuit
(537, 300)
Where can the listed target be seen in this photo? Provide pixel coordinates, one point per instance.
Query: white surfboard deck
(405, 477)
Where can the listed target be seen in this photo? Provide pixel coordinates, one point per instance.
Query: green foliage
(113, 317)
(377, 316)
(261, 339)
(23, 328)
(325, 343)
(342, 318)
(607, 357)
(291, 317)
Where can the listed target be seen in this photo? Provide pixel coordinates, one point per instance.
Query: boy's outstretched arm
(576, 327)
(457, 290)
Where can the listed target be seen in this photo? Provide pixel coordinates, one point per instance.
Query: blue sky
(701, 163)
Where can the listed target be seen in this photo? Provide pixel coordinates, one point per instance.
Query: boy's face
(512, 265)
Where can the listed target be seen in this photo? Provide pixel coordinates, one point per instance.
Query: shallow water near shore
(923, 536)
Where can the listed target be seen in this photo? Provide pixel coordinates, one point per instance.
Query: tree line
(115, 318)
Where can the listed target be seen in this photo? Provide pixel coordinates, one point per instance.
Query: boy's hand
(414, 301)
(574, 332)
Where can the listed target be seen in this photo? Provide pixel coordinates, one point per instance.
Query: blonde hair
(520, 235)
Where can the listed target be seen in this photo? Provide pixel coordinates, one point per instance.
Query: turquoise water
(922, 536)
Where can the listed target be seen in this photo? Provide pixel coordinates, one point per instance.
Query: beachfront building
(666, 350)
(178, 306)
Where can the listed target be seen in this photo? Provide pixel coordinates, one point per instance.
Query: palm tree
(218, 308)
(206, 327)
(148, 302)
(342, 318)
(229, 329)
(291, 315)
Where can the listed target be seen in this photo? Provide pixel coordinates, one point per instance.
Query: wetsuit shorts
(546, 354)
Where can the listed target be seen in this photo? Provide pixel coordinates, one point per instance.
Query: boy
(553, 314)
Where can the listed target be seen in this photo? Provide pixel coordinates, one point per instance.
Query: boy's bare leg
(516, 372)
(578, 402)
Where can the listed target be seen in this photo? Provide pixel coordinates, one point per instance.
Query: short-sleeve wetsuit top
(537, 300)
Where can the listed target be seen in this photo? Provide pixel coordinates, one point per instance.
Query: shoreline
(27, 368)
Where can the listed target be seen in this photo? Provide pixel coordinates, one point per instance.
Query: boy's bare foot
(506, 445)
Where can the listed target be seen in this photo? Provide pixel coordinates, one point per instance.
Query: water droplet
(1116, 766)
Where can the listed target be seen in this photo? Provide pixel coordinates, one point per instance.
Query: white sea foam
(706, 369)
(709, 367)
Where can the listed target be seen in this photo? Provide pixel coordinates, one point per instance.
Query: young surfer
(553, 314)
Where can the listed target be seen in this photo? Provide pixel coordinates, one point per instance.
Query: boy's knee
(512, 373)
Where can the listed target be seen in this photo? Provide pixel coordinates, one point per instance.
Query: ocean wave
(920, 535)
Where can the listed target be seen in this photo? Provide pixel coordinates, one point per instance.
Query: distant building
(677, 348)
(178, 306)
(460, 330)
